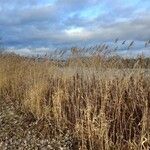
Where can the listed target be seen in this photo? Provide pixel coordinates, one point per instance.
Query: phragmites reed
(103, 102)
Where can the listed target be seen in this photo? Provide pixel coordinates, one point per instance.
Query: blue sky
(27, 24)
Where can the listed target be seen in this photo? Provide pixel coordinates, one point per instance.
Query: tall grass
(100, 101)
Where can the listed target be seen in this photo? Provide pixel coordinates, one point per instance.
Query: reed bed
(99, 102)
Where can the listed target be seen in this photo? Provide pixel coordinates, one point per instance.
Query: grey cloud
(76, 5)
(126, 30)
(38, 14)
(12, 4)
(134, 29)
(46, 25)
(30, 15)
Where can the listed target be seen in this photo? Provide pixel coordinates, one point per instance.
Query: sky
(48, 24)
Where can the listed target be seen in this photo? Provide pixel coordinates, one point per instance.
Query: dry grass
(101, 108)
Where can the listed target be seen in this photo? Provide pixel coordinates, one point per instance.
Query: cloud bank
(54, 23)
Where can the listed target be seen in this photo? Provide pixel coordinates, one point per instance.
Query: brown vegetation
(104, 103)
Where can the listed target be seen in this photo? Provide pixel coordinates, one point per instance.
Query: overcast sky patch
(49, 23)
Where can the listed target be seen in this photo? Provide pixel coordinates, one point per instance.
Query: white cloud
(33, 23)
(78, 33)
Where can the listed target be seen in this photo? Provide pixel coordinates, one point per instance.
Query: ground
(20, 131)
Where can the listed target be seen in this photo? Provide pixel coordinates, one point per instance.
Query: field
(86, 103)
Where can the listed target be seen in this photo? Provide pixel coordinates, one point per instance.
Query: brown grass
(101, 108)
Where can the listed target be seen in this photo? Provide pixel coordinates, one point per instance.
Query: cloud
(75, 5)
(136, 29)
(9, 4)
(34, 23)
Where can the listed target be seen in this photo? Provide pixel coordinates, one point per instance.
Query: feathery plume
(116, 40)
(123, 42)
(130, 44)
